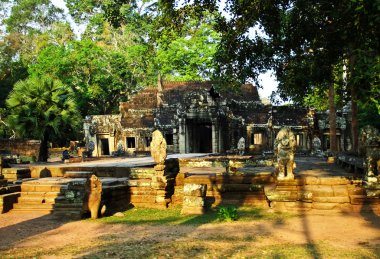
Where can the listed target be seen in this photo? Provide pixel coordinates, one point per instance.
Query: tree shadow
(13, 234)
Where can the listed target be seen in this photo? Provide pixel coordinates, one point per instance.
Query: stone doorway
(104, 147)
(199, 137)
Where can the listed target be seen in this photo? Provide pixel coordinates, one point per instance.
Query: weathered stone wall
(20, 147)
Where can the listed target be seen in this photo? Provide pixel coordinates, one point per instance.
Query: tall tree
(314, 35)
(41, 108)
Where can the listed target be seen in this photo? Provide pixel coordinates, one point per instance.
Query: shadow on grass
(173, 216)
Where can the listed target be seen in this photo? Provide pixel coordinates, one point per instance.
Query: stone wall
(20, 147)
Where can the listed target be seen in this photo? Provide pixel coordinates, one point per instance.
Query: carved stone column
(158, 148)
(182, 136)
(215, 136)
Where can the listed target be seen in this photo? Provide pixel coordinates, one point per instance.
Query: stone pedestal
(159, 183)
(194, 199)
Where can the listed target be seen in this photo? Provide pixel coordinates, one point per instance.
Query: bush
(227, 214)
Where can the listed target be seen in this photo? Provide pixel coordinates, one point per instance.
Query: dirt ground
(304, 236)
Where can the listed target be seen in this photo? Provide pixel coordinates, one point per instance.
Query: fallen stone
(118, 214)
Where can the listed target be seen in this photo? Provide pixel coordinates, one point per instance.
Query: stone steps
(48, 195)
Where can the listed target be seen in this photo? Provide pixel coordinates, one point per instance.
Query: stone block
(192, 210)
(143, 199)
(197, 190)
(190, 201)
(323, 191)
(340, 190)
(342, 199)
(139, 183)
(160, 199)
(289, 182)
(298, 205)
(7, 201)
(355, 190)
(305, 196)
(311, 180)
(324, 206)
(334, 180)
(282, 196)
(27, 188)
(359, 199)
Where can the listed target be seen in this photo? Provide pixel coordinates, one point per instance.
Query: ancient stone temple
(195, 118)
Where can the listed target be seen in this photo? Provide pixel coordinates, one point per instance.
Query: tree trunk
(332, 120)
(44, 149)
(354, 105)
(354, 120)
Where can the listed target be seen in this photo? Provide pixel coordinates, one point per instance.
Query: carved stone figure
(94, 190)
(369, 141)
(284, 147)
(317, 144)
(241, 146)
(90, 148)
(158, 147)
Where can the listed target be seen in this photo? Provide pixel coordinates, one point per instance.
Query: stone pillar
(194, 198)
(215, 136)
(158, 151)
(182, 136)
(175, 141)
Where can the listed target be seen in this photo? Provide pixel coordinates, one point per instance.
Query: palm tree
(41, 108)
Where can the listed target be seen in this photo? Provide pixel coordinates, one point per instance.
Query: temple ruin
(195, 118)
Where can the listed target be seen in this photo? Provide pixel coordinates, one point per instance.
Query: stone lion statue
(284, 147)
(369, 146)
(94, 190)
(158, 147)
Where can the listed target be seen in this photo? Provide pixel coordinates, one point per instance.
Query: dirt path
(39, 235)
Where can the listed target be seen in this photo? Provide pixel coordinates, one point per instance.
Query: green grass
(172, 216)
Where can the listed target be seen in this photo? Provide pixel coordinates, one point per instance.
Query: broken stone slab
(343, 199)
(190, 201)
(196, 190)
(78, 174)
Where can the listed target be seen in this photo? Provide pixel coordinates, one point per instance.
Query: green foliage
(369, 114)
(30, 16)
(188, 54)
(98, 78)
(42, 108)
(227, 213)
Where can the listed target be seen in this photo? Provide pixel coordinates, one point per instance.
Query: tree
(29, 26)
(41, 108)
(314, 36)
(136, 31)
(98, 79)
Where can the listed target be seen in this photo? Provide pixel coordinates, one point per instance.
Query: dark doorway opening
(200, 137)
(105, 147)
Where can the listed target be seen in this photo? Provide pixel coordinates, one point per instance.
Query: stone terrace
(231, 180)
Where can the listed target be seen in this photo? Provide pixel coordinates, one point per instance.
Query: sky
(268, 81)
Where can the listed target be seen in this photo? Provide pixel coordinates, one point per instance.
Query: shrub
(227, 213)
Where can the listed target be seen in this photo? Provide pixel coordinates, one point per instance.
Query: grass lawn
(153, 233)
